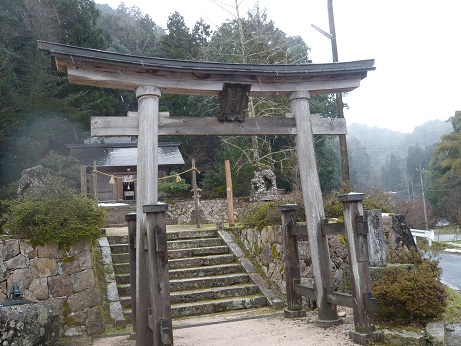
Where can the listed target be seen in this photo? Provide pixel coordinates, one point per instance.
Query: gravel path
(249, 328)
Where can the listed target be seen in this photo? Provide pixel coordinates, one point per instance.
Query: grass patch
(447, 230)
(452, 312)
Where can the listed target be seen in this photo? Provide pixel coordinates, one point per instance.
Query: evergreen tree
(178, 43)
(445, 169)
(392, 173)
(130, 31)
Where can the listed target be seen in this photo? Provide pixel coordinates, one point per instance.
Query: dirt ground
(262, 327)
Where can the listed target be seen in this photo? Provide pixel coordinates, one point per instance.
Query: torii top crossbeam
(112, 70)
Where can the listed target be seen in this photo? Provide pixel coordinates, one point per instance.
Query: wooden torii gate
(149, 78)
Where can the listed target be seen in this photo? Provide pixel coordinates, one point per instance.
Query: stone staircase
(205, 276)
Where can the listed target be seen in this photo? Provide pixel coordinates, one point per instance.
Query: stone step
(176, 235)
(208, 282)
(120, 258)
(124, 290)
(200, 251)
(173, 235)
(119, 248)
(210, 260)
(122, 279)
(210, 306)
(175, 244)
(184, 263)
(118, 239)
(121, 268)
(128, 315)
(217, 305)
(182, 297)
(125, 302)
(196, 272)
(194, 243)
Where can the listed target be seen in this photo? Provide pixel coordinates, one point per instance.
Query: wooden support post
(313, 206)
(95, 182)
(356, 235)
(196, 196)
(131, 221)
(83, 180)
(114, 189)
(159, 306)
(292, 271)
(146, 193)
(230, 194)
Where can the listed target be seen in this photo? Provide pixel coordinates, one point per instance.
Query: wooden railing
(355, 228)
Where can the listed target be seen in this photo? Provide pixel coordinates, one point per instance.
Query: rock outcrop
(29, 324)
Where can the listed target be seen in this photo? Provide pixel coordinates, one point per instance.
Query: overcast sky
(416, 45)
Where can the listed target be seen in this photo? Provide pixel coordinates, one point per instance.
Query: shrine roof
(107, 69)
(123, 154)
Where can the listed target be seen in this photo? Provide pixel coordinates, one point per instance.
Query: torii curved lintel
(113, 70)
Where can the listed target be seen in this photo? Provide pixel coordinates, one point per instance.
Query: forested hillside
(393, 159)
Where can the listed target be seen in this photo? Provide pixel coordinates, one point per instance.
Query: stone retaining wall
(179, 212)
(267, 248)
(48, 274)
(211, 211)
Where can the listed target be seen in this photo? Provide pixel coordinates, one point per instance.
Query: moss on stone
(70, 322)
(66, 309)
(68, 259)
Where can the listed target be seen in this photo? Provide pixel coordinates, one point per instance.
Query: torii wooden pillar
(149, 77)
(313, 206)
(153, 315)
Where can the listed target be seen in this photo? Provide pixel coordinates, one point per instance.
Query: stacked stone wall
(268, 250)
(180, 212)
(211, 210)
(48, 274)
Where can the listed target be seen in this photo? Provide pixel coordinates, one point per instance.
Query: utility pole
(424, 197)
(346, 180)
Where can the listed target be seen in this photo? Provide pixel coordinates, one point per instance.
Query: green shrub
(173, 188)
(410, 294)
(261, 215)
(374, 199)
(215, 192)
(5, 212)
(333, 207)
(55, 213)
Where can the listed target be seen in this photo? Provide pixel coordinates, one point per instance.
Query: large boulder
(30, 177)
(29, 325)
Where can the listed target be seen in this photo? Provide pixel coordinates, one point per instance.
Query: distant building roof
(122, 154)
